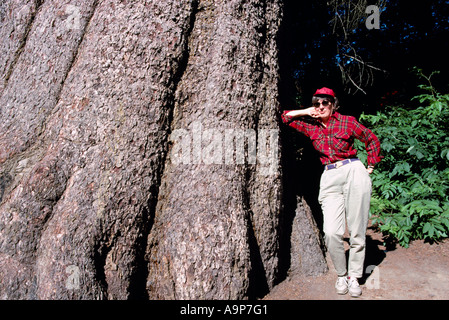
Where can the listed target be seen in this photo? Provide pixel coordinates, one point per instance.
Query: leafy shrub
(410, 186)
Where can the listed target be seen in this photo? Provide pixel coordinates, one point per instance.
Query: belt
(339, 164)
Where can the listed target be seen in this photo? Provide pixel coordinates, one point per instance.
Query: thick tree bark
(230, 209)
(306, 243)
(121, 171)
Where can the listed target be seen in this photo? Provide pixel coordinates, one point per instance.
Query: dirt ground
(420, 272)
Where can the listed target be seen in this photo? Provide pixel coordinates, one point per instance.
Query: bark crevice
(75, 52)
(22, 44)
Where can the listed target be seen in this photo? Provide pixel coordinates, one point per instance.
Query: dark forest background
(394, 80)
(326, 43)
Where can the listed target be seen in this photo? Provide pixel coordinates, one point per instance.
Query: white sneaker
(341, 286)
(354, 288)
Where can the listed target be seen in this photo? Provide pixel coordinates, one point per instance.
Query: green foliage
(411, 184)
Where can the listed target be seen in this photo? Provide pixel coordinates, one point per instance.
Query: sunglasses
(325, 103)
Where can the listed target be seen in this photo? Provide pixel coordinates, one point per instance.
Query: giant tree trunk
(122, 173)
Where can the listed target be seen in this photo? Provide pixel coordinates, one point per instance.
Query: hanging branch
(355, 71)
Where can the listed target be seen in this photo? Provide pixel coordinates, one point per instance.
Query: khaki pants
(345, 194)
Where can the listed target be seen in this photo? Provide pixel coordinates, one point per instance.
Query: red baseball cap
(325, 91)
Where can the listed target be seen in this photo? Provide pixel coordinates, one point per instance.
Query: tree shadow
(301, 178)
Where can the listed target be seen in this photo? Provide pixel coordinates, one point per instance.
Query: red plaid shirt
(335, 142)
